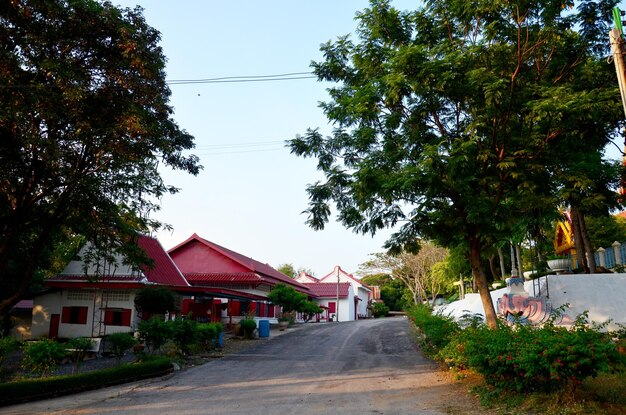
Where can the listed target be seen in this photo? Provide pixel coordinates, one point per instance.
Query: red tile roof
(265, 272)
(222, 277)
(328, 290)
(164, 271)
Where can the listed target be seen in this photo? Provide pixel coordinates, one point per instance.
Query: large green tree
(443, 120)
(85, 125)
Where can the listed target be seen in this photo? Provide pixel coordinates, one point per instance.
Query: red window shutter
(126, 317)
(65, 318)
(272, 311)
(82, 315)
(263, 310)
(108, 317)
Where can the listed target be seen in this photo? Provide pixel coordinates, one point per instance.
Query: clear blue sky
(251, 193)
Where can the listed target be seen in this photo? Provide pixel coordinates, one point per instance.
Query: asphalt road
(364, 367)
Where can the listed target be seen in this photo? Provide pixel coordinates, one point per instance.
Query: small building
(337, 300)
(95, 299)
(235, 285)
(362, 292)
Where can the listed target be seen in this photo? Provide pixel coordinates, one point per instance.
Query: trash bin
(264, 328)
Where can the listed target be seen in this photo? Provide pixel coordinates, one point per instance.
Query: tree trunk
(520, 266)
(578, 240)
(492, 267)
(481, 281)
(591, 260)
(502, 267)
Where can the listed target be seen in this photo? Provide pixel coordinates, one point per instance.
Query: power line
(244, 78)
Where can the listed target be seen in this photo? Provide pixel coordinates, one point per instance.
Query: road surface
(363, 367)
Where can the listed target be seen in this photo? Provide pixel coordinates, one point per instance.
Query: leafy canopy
(446, 119)
(85, 125)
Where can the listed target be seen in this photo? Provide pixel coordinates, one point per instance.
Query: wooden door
(54, 326)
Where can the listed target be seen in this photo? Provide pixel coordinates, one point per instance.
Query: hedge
(44, 388)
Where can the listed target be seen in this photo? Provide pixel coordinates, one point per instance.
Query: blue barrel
(264, 328)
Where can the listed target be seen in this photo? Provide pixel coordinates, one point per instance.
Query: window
(117, 316)
(74, 315)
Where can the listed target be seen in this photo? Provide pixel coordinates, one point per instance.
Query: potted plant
(248, 326)
(559, 262)
(283, 321)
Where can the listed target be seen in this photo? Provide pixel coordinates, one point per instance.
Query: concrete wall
(602, 295)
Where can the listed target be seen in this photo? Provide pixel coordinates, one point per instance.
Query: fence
(612, 257)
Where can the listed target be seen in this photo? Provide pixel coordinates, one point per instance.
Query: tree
(85, 125)
(414, 270)
(155, 300)
(443, 120)
(286, 297)
(287, 269)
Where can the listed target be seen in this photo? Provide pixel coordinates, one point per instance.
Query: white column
(601, 256)
(618, 257)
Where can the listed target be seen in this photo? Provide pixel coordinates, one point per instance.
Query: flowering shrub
(531, 358)
(435, 331)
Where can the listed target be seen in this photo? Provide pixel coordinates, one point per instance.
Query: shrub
(43, 356)
(154, 332)
(248, 326)
(184, 333)
(155, 300)
(78, 348)
(33, 389)
(435, 330)
(119, 343)
(379, 310)
(208, 334)
(7, 346)
(531, 358)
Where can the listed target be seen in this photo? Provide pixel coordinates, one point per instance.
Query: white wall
(52, 303)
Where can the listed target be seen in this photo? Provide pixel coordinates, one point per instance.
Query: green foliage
(287, 297)
(154, 332)
(288, 270)
(443, 121)
(208, 334)
(379, 310)
(435, 331)
(85, 128)
(7, 346)
(309, 309)
(528, 358)
(42, 356)
(604, 230)
(78, 348)
(43, 388)
(155, 300)
(248, 326)
(119, 343)
(184, 332)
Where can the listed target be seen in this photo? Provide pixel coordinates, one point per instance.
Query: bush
(435, 331)
(208, 334)
(531, 358)
(78, 348)
(43, 356)
(33, 389)
(119, 343)
(154, 332)
(379, 310)
(7, 346)
(248, 326)
(184, 333)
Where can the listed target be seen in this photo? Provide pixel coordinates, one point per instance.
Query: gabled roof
(303, 277)
(326, 290)
(333, 274)
(162, 271)
(241, 265)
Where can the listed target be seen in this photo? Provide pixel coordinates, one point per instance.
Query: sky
(251, 193)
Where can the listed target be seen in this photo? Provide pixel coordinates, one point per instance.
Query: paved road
(364, 367)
